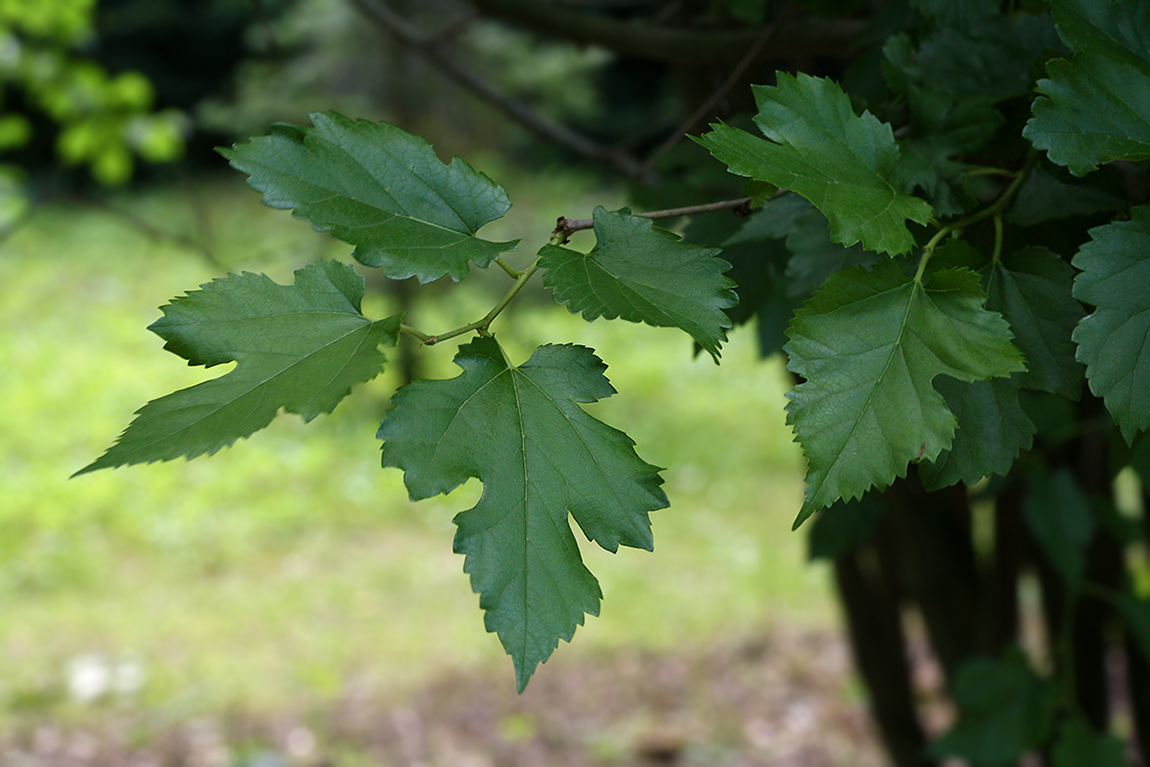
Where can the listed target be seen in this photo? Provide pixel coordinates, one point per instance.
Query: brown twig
(565, 227)
(437, 52)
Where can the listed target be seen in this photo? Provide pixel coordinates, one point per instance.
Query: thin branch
(705, 108)
(565, 227)
(680, 45)
(438, 53)
(481, 325)
(153, 232)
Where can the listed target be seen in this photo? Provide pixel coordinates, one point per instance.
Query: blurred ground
(784, 700)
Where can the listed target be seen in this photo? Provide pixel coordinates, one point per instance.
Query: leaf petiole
(994, 210)
(511, 272)
(481, 325)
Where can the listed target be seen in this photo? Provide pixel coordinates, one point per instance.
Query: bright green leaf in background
(298, 347)
(643, 274)
(1005, 710)
(816, 146)
(868, 346)
(521, 431)
(1058, 514)
(380, 189)
(1112, 341)
(1095, 108)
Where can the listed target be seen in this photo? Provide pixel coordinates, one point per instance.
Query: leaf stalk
(994, 210)
(480, 326)
(565, 227)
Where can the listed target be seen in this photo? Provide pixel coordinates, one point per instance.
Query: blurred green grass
(291, 566)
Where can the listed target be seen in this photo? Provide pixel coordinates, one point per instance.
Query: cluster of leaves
(937, 294)
(958, 276)
(104, 120)
(519, 429)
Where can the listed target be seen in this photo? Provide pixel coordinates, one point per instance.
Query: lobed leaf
(1112, 341)
(992, 428)
(816, 146)
(643, 274)
(298, 347)
(868, 346)
(1095, 107)
(1032, 288)
(381, 189)
(521, 432)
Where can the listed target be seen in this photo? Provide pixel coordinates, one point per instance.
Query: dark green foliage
(869, 345)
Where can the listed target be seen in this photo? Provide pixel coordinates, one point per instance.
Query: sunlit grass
(291, 565)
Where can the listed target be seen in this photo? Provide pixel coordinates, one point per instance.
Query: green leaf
(773, 221)
(1114, 28)
(988, 59)
(942, 127)
(1095, 107)
(298, 347)
(841, 527)
(1112, 341)
(380, 189)
(992, 430)
(1032, 289)
(815, 258)
(1059, 515)
(521, 432)
(818, 147)
(756, 268)
(643, 274)
(868, 346)
(1042, 197)
(1005, 710)
(1080, 744)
